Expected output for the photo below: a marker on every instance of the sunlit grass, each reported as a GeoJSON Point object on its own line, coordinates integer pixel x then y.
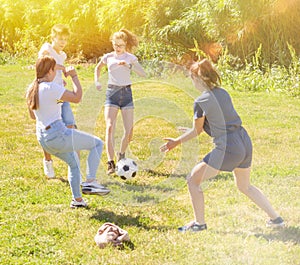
{"type": "Point", "coordinates": [38, 227]}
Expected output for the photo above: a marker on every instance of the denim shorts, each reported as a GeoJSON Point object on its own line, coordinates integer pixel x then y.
{"type": "Point", "coordinates": [119, 97]}
{"type": "Point", "coordinates": [67, 114]}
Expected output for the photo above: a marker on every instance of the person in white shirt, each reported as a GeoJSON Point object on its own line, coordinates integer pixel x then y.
{"type": "Point", "coordinates": [120, 63]}
{"type": "Point", "coordinates": [59, 35]}
{"type": "Point", "coordinates": [54, 136]}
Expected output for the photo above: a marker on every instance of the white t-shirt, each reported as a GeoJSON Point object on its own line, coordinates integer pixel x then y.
{"type": "Point", "coordinates": [118, 75]}
{"type": "Point", "coordinates": [49, 109]}
{"type": "Point", "coordinates": [59, 58]}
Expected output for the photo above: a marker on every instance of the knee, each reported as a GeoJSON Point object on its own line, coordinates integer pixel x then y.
{"type": "Point", "coordinates": [99, 144]}
{"type": "Point", "coordinates": [109, 128]}
{"type": "Point", "coordinates": [193, 182]}
{"type": "Point", "coordinates": [128, 135]}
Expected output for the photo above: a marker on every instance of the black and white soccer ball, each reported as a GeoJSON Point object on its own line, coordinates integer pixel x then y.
{"type": "Point", "coordinates": [126, 168]}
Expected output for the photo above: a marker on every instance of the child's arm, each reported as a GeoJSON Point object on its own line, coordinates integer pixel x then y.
{"type": "Point", "coordinates": [188, 135]}
{"type": "Point", "coordinates": [137, 68]}
{"type": "Point", "coordinates": [31, 114]}
{"type": "Point", "coordinates": [97, 74]}
{"type": "Point", "coordinates": [75, 95]}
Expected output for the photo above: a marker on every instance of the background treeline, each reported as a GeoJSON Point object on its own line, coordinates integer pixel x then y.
{"type": "Point", "coordinates": [171, 30]}
{"type": "Point", "coordinates": [259, 38]}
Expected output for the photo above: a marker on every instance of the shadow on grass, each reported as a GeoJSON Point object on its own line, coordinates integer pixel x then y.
{"type": "Point", "coordinates": [222, 176]}
{"type": "Point", "coordinates": [287, 235]}
{"type": "Point", "coordinates": [60, 179]}
{"type": "Point", "coordinates": [125, 220]}
{"type": "Point", "coordinates": [137, 194]}
{"type": "Point", "coordinates": [144, 187]}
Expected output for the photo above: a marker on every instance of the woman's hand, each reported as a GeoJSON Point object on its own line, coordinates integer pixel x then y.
{"type": "Point", "coordinates": [125, 64]}
{"type": "Point", "coordinates": [122, 63]}
{"type": "Point", "coordinates": [172, 143]}
{"type": "Point", "coordinates": [98, 86]}
{"type": "Point", "coordinates": [70, 71]}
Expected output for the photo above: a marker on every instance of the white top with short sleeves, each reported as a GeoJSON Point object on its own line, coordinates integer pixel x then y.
{"type": "Point", "coordinates": [59, 59]}
{"type": "Point", "coordinates": [118, 75]}
{"type": "Point", "coordinates": [49, 109]}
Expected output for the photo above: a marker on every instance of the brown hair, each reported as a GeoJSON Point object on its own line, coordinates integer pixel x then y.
{"type": "Point", "coordinates": [128, 37]}
{"type": "Point", "coordinates": [42, 67]}
{"type": "Point", "coordinates": [59, 29]}
{"type": "Point", "coordinates": [205, 70]}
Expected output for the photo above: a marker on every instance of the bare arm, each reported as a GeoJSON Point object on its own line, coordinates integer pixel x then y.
{"type": "Point", "coordinates": [135, 67]}
{"type": "Point", "coordinates": [97, 74]}
{"type": "Point", "coordinates": [75, 95]}
{"type": "Point", "coordinates": [57, 66]}
{"type": "Point", "coordinates": [188, 135]}
{"type": "Point", "coordinates": [138, 69]}
{"type": "Point", "coordinates": [31, 114]}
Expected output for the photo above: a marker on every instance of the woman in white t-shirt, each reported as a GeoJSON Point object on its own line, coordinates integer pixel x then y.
{"type": "Point", "coordinates": [120, 63]}
{"type": "Point", "coordinates": [43, 97]}
{"type": "Point", "coordinates": [59, 36]}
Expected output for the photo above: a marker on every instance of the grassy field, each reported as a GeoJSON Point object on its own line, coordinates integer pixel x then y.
{"type": "Point", "coordinates": [38, 227]}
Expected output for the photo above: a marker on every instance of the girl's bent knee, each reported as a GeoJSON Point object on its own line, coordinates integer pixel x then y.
{"type": "Point", "coordinates": [191, 182]}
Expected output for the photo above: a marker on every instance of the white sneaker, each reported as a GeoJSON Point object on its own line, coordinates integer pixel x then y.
{"type": "Point", "coordinates": [94, 188]}
{"type": "Point", "coordinates": [48, 168]}
{"type": "Point", "coordinates": [76, 204]}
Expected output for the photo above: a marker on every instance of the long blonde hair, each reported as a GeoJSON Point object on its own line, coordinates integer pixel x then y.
{"type": "Point", "coordinates": [42, 67]}
{"type": "Point", "coordinates": [128, 37]}
{"type": "Point", "coordinates": [206, 72]}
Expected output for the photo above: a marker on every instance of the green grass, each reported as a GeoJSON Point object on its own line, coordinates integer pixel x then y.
{"type": "Point", "coordinates": [38, 227]}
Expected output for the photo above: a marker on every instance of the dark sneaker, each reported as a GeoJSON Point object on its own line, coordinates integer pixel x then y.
{"type": "Point", "coordinates": [192, 227]}
{"type": "Point", "coordinates": [94, 191]}
{"type": "Point", "coordinates": [111, 167]}
{"type": "Point", "coordinates": [76, 204]}
{"type": "Point", "coordinates": [120, 156]}
{"type": "Point", "coordinates": [275, 223]}
{"type": "Point", "coordinates": [94, 188]}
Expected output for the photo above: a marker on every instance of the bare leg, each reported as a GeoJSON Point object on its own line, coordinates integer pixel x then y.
{"type": "Point", "coordinates": [242, 180]}
{"type": "Point", "coordinates": [127, 116]}
{"type": "Point", "coordinates": [200, 172]}
{"type": "Point", "coordinates": [47, 156]}
{"type": "Point", "coordinates": [110, 114]}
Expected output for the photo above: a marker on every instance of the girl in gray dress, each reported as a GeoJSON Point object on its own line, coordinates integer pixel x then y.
{"type": "Point", "coordinates": [215, 114]}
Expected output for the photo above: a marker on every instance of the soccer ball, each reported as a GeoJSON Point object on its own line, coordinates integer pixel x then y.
{"type": "Point", "coordinates": [126, 168]}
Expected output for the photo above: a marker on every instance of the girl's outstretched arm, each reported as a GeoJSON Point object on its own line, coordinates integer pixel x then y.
{"type": "Point", "coordinates": [188, 135]}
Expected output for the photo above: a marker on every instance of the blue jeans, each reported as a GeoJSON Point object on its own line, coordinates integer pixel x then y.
{"type": "Point", "coordinates": [67, 114]}
{"type": "Point", "coordinates": [63, 143]}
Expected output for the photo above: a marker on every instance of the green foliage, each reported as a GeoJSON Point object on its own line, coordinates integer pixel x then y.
{"type": "Point", "coordinates": [238, 26]}
{"type": "Point", "coordinates": [259, 76]}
